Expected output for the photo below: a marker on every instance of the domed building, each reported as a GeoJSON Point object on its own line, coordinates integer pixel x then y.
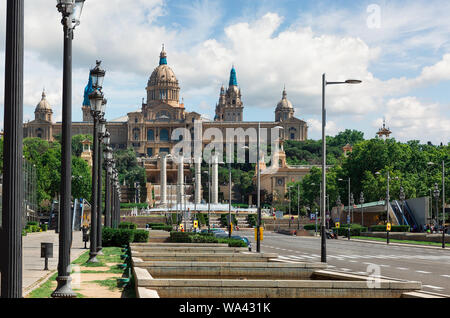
{"type": "Point", "coordinates": [148, 131]}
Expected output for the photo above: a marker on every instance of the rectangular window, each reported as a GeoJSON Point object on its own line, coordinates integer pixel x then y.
{"type": "Point", "coordinates": [150, 152]}
{"type": "Point", "coordinates": [167, 150]}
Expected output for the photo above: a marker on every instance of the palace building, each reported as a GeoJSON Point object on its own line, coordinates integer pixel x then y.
{"type": "Point", "coordinates": [149, 130]}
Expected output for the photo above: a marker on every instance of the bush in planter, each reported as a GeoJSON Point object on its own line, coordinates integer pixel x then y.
{"type": "Point", "coordinates": [180, 237]}
{"type": "Point", "coordinates": [127, 225]}
{"type": "Point", "coordinates": [117, 237]}
{"type": "Point", "coordinates": [394, 228]}
{"type": "Point", "coordinates": [151, 225]}
{"type": "Point", "coordinates": [167, 228]}
{"type": "Point", "coordinates": [311, 227]}
{"type": "Point", "coordinates": [140, 236]}
{"type": "Point", "coordinates": [44, 227]}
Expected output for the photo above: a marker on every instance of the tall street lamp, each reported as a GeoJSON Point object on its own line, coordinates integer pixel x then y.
{"type": "Point", "coordinates": [361, 201]}
{"type": "Point", "coordinates": [209, 193]}
{"type": "Point", "coordinates": [11, 220]}
{"type": "Point", "coordinates": [96, 101]}
{"type": "Point", "coordinates": [324, 162]}
{"type": "Point", "coordinates": [71, 14]}
{"type": "Point", "coordinates": [298, 206]}
{"type": "Point", "coordinates": [436, 194]}
{"type": "Point", "coordinates": [443, 204]}
{"type": "Point", "coordinates": [101, 134]}
{"type": "Point", "coordinates": [108, 165]}
{"type": "Point", "coordinates": [402, 198]}
{"type": "Point", "coordinates": [387, 202]}
{"type": "Point", "coordinates": [229, 203]}
{"type": "Point", "coordinates": [338, 205]}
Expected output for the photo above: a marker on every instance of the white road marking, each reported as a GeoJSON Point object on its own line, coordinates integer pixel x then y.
{"type": "Point", "coordinates": [402, 268]}
{"type": "Point", "coordinates": [351, 261]}
{"type": "Point", "coordinates": [384, 265]}
{"type": "Point", "coordinates": [448, 276]}
{"type": "Point", "coordinates": [423, 272]}
{"type": "Point", "coordinates": [345, 269]}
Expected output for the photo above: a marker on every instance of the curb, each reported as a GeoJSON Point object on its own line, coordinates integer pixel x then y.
{"type": "Point", "coordinates": [401, 244]}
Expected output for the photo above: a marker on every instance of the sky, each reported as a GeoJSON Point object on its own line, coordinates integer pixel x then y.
{"type": "Point", "coordinates": [399, 49]}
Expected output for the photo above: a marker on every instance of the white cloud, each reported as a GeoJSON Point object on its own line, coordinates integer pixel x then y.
{"type": "Point", "coordinates": [409, 118]}
{"type": "Point", "coordinates": [268, 53]}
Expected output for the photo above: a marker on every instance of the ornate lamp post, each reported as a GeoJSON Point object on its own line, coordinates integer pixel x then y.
{"type": "Point", "coordinates": [338, 205]}
{"type": "Point", "coordinates": [108, 165]}
{"type": "Point", "coordinates": [361, 201]}
{"type": "Point", "coordinates": [96, 100]}
{"type": "Point", "coordinates": [71, 13]}
{"type": "Point", "coordinates": [402, 197]}
{"type": "Point", "coordinates": [436, 194]}
{"type": "Point", "coordinates": [101, 134]}
{"type": "Point", "coordinates": [11, 220]}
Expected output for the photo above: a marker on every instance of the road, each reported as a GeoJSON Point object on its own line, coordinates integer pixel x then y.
{"type": "Point", "coordinates": [427, 265]}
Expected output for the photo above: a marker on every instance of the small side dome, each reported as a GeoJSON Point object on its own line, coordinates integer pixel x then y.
{"type": "Point", "coordinates": [284, 102]}
{"type": "Point", "coordinates": [43, 104]}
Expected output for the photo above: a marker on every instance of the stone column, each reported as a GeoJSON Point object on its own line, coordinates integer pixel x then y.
{"type": "Point", "coordinates": [198, 181]}
{"type": "Point", "coordinates": [163, 177]}
{"type": "Point", "coordinates": [215, 180]}
{"type": "Point", "coordinates": [180, 182]}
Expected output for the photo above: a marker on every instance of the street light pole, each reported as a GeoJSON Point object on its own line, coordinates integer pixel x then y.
{"type": "Point", "coordinates": [11, 223]}
{"type": "Point", "coordinates": [229, 203]}
{"type": "Point", "coordinates": [100, 136]}
{"type": "Point", "coordinates": [443, 204]}
{"type": "Point", "coordinates": [387, 206]}
{"type": "Point", "coordinates": [71, 13]}
{"type": "Point", "coordinates": [97, 105]}
{"type": "Point", "coordinates": [258, 169]}
{"type": "Point", "coordinates": [298, 206]}
{"type": "Point", "coordinates": [361, 201]}
{"type": "Point", "coordinates": [324, 160]}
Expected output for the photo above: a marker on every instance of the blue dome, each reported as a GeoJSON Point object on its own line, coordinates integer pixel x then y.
{"type": "Point", "coordinates": [233, 79]}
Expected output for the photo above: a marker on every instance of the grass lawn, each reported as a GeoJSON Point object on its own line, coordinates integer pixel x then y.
{"type": "Point", "coordinates": [396, 241]}
{"type": "Point", "coordinates": [111, 256]}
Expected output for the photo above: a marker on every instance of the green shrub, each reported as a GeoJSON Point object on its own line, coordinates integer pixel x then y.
{"type": "Point", "coordinates": [394, 228]}
{"type": "Point", "coordinates": [233, 242]}
{"type": "Point", "coordinates": [355, 230]}
{"type": "Point", "coordinates": [140, 236]}
{"type": "Point", "coordinates": [117, 237]}
{"type": "Point", "coordinates": [311, 227]}
{"type": "Point", "coordinates": [224, 219]}
{"type": "Point", "coordinates": [180, 237]}
{"type": "Point", "coordinates": [151, 225]}
{"type": "Point", "coordinates": [44, 227]}
{"type": "Point", "coordinates": [127, 225]}
{"type": "Point", "coordinates": [133, 205]}
{"type": "Point", "coordinates": [252, 219]}
{"type": "Point", "coordinates": [167, 228]}
{"type": "Point", "coordinates": [201, 219]}
{"type": "Point", "coordinates": [24, 232]}
{"type": "Point", "coordinates": [33, 223]}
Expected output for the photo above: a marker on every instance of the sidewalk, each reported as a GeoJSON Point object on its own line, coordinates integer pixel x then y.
{"type": "Point", "coordinates": [33, 264]}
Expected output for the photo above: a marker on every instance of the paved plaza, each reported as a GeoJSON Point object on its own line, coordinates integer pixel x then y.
{"type": "Point", "coordinates": [33, 264]}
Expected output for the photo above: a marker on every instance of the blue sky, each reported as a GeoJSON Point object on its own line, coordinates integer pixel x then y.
{"type": "Point", "coordinates": [400, 49]}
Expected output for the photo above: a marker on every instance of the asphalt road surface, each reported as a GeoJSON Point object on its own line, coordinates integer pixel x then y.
{"type": "Point", "coordinates": [427, 265]}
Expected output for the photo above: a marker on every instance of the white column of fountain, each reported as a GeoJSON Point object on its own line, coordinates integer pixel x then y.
{"type": "Point", "coordinates": [180, 182]}
{"type": "Point", "coordinates": [163, 177]}
{"type": "Point", "coordinates": [198, 180]}
{"type": "Point", "coordinates": [215, 180]}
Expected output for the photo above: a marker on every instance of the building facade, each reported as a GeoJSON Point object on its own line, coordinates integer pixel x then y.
{"type": "Point", "coordinates": [149, 130]}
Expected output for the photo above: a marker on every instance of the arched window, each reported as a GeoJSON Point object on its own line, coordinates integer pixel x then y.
{"type": "Point", "coordinates": [150, 135]}
{"type": "Point", "coordinates": [164, 135]}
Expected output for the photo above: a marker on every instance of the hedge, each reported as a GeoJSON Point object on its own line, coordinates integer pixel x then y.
{"type": "Point", "coordinates": [354, 231]}
{"type": "Point", "coordinates": [190, 237]}
{"type": "Point", "coordinates": [394, 228]}
{"type": "Point", "coordinates": [127, 225]}
{"type": "Point", "coordinates": [119, 237]}
{"type": "Point", "coordinates": [151, 225]}
{"type": "Point", "coordinates": [224, 219]}
{"type": "Point", "coordinates": [167, 228]}
{"type": "Point", "coordinates": [252, 220]}
{"type": "Point", "coordinates": [311, 227]}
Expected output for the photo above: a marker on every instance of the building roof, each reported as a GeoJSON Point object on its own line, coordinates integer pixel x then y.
{"type": "Point", "coordinates": [43, 104]}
